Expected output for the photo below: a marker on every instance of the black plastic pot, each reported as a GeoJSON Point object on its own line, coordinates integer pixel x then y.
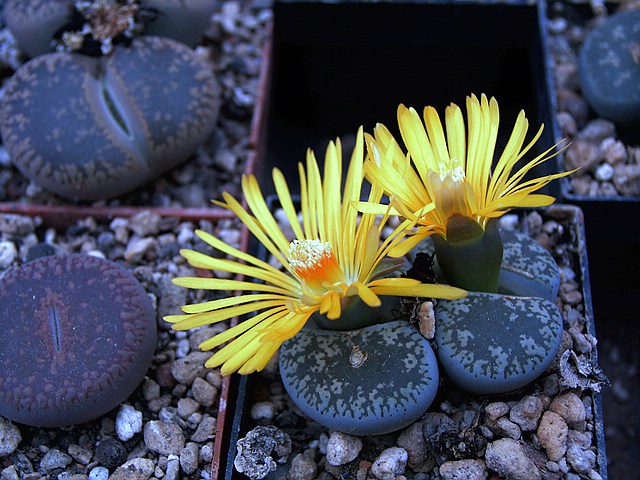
{"type": "Point", "coordinates": [335, 66]}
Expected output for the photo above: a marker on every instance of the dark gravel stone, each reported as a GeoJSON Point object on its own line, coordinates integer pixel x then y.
{"type": "Point", "coordinates": [110, 453]}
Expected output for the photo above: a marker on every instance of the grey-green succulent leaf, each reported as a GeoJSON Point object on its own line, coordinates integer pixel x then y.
{"type": "Point", "coordinates": [493, 343]}
{"type": "Point", "coordinates": [371, 381]}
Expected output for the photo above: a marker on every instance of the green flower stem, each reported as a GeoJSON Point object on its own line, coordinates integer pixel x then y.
{"type": "Point", "coordinates": [470, 257]}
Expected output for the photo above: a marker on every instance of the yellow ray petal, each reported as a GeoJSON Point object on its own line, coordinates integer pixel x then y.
{"type": "Point", "coordinates": [274, 314]}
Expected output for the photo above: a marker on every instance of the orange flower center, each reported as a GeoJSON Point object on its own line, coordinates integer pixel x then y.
{"type": "Point", "coordinates": [315, 263]}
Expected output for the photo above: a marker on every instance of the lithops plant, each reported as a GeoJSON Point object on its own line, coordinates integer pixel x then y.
{"type": "Point", "coordinates": [89, 128]}
{"type": "Point", "coordinates": [506, 332]}
{"type": "Point", "coordinates": [42, 26]}
{"type": "Point", "coordinates": [79, 333]}
{"type": "Point", "coordinates": [368, 381]}
{"type": "Point", "coordinates": [335, 275]}
{"type": "Point", "coordinates": [109, 110]}
{"type": "Point", "coordinates": [609, 67]}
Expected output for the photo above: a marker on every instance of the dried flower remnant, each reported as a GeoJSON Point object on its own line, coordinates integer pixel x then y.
{"type": "Point", "coordinates": [78, 337]}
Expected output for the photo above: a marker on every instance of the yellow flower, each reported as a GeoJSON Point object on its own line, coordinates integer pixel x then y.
{"type": "Point", "coordinates": [331, 262]}
{"type": "Point", "coordinates": [453, 172]}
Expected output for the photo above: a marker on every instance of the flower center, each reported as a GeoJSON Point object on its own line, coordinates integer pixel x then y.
{"type": "Point", "coordinates": [315, 263]}
{"type": "Point", "coordinates": [454, 170]}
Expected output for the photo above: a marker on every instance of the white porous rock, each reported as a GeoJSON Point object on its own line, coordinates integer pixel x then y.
{"type": "Point", "coordinates": [464, 470]}
{"type": "Point", "coordinates": [552, 434]}
{"type": "Point", "coordinates": [508, 458]}
{"type": "Point", "coordinates": [99, 473]}
{"type": "Point", "coordinates": [604, 172]}
{"type": "Point", "coordinates": [342, 448]}
{"type": "Point", "coordinates": [390, 463]}
{"type": "Point", "coordinates": [128, 422]}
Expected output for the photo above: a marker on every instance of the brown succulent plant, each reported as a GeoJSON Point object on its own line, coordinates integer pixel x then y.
{"type": "Point", "coordinates": [78, 336]}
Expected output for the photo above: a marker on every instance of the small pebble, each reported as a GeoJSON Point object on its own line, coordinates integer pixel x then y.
{"type": "Point", "coordinates": [110, 453]}
{"type": "Point", "coordinates": [604, 172]}
{"type": "Point", "coordinates": [128, 422]}
{"type": "Point", "coordinates": [203, 392]}
{"type": "Point", "coordinates": [263, 410]}
{"type": "Point", "coordinates": [614, 151]}
{"type": "Point", "coordinates": [506, 428]}
{"type": "Point", "coordinates": [507, 457]}
{"type": "Point", "coordinates": [189, 458]}
{"type": "Point", "coordinates": [302, 468]}
{"type": "Point", "coordinates": [172, 470]}
{"type": "Point", "coordinates": [145, 223]}
{"type": "Point", "coordinates": [134, 469]}
{"type": "Point", "coordinates": [187, 406]}
{"type": "Point", "coordinates": [464, 470]}
{"type": "Point", "coordinates": [495, 410]}
{"type": "Point", "coordinates": [570, 407]}
{"type": "Point", "coordinates": [18, 225]}
{"type": "Point", "coordinates": [79, 454]}
{"type": "Point", "coordinates": [390, 463]}
{"type": "Point", "coordinates": [342, 448]}
{"type": "Point", "coordinates": [526, 413]}
{"type": "Point", "coordinates": [413, 441]}
{"type": "Point", "coordinates": [99, 473]}
{"type": "Point", "coordinates": [164, 438]}
{"type": "Point", "coordinates": [205, 431]}
{"type": "Point", "coordinates": [186, 369]}
{"type": "Point", "coordinates": [150, 389]}
{"type": "Point", "coordinates": [54, 459]}
{"type": "Point", "coordinates": [138, 248]}
{"type": "Point", "coordinates": [552, 434]}
{"type": "Point", "coordinates": [8, 254]}
{"type": "Point", "coordinates": [10, 437]}
{"type": "Point", "coordinates": [579, 455]}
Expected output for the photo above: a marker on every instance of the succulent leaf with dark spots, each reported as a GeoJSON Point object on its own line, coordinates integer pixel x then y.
{"type": "Point", "coordinates": [78, 336]}
{"type": "Point", "coordinates": [90, 128]}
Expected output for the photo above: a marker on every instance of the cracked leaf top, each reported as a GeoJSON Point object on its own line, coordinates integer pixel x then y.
{"type": "Point", "coordinates": [334, 259]}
